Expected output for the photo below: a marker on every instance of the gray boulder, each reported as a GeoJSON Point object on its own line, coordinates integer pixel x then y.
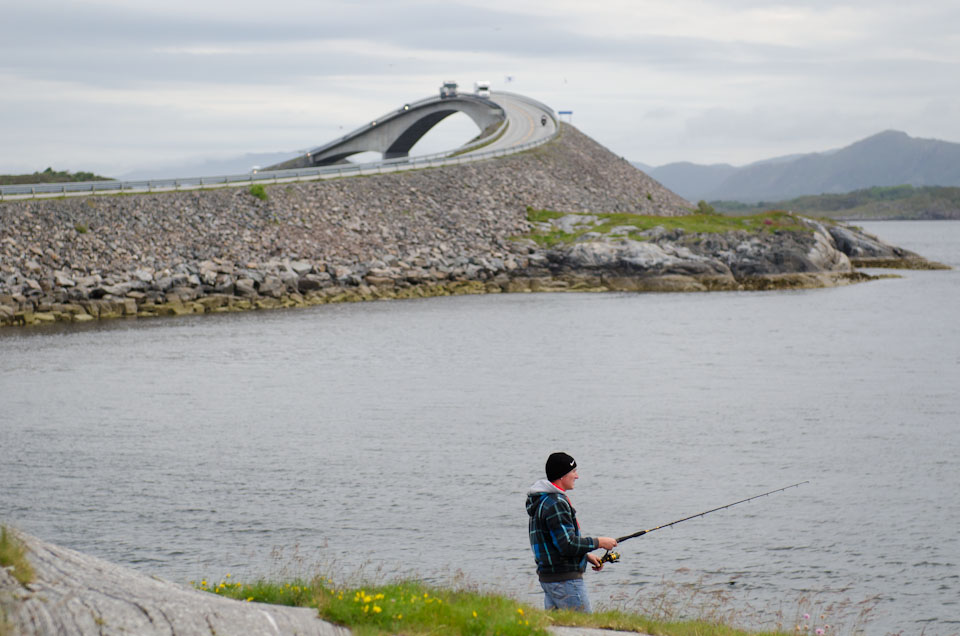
{"type": "Point", "coordinates": [73, 593]}
{"type": "Point", "coordinates": [245, 287]}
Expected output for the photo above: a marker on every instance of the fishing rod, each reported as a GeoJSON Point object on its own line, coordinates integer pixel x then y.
{"type": "Point", "coordinates": [613, 557]}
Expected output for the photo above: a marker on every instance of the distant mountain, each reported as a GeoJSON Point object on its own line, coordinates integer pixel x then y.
{"type": "Point", "coordinates": [693, 181]}
{"type": "Point", "coordinates": [886, 159]}
{"type": "Point", "coordinates": [877, 202]}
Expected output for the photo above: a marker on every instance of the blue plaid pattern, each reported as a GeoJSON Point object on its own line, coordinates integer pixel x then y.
{"type": "Point", "coordinates": [555, 537]}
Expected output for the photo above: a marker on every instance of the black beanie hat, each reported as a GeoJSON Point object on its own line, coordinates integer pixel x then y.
{"type": "Point", "coordinates": [558, 465]}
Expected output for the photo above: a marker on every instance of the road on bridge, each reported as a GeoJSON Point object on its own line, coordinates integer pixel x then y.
{"type": "Point", "coordinates": [523, 121]}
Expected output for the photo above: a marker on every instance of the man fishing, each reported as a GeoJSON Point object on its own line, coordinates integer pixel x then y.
{"type": "Point", "coordinates": [559, 550]}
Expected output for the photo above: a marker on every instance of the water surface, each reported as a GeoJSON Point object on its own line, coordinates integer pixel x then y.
{"type": "Point", "coordinates": [404, 434]}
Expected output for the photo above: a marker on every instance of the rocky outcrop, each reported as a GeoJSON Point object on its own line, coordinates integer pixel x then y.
{"type": "Point", "coordinates": [423, 233]}
{"type": "Point", "coordinates": [866, 250]}
{"type": "Point", "coordinates": [73, 593]}
{"type": "Point", "coordinates": [76, 594]}
{"type": "Point", "coordinates": [675, 260]}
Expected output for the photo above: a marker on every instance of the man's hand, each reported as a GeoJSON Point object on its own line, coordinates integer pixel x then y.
{"type": "Point", "coordinates": [595, 561]}
{"type": "Point", "coordinates": [607, 543]}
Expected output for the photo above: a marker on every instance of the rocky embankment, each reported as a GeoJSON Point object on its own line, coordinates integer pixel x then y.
{"type": "Point", "coordinates": [432, 232]}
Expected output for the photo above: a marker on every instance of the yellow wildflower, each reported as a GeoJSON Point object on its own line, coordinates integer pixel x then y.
{"type": "Point", "coordinates": [474, 613]}
{"type": "Point", "coordinates": [376, 609]}
{"type": "Point", "coordinates": [520, 611]}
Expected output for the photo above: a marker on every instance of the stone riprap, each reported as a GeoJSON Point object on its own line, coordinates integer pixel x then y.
{"type": "Point", "coordinates": [431, 232]}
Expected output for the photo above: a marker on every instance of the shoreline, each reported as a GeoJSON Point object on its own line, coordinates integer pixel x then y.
{"type": "Point", "coordinates": [217, 303]}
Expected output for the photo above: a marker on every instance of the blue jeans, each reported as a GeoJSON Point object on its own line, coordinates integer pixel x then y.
{"type": "Point", "coordinates": [570, 594]}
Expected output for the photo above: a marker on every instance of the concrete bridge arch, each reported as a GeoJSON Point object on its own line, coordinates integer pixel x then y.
{"type": "Point", "coordinates": [397, 132]}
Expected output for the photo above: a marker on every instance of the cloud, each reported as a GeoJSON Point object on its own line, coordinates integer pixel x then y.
{"type": "Point", "coordinates": [654, 81]}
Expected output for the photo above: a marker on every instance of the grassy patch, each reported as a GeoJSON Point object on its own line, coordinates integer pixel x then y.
{"type": "Point", "coordinates": [414, 608]}
{"type": "Point", "coordinates": [13, 556]}
{"type": "Point", "coordinates": [542, 216]}
{"type": "Point", "coordinates": [408, 607]}
{"type": "Point", "coordinates": [259, 191]}
{"type": "Point", "coordinates": [632, 225]}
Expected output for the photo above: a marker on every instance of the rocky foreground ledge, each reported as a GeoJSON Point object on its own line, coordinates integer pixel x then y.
{"type": "Point", "coordinates": [76, 594]}
{"type": "Point", "coordinates": [73, 593]}
{"type": "Point", "coordinates": [452, 230]}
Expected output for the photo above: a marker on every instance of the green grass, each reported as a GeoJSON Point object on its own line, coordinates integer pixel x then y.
{"type": "Point", "coordinates": [542, 216]}
{"type": "Point", "coordinates": [703, 223]}
{"type": "Point", "coordinates": [13, 555]}
{"type": "Point", "coordinates": [415, 608]}
{"type": "Point", "coordinates": [259, 191]}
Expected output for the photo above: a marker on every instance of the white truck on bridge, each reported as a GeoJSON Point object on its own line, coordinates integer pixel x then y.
{"type": "Point", "coordinates": [482, 88]}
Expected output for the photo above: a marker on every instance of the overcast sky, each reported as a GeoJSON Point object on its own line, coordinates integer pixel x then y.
{"type": "Point", "coordinates": [116, 85]}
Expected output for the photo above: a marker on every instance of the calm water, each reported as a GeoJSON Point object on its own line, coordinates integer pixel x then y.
{"type": "Point", "coordinates": [403, 436]}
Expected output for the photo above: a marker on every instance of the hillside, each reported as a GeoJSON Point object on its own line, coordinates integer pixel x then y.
{"type": "Point", "coordinates": [50, 176]}
{"type": "Point", "coordinates": [890, 158]}
{"type": "Point", "coordinates": [896, 202]}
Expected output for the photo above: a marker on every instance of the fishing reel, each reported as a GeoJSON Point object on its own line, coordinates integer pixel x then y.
{"type": "Point", "coordinates": [610, 557]}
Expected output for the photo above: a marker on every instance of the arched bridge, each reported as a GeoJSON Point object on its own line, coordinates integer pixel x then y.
{"type": "Point", "coordinates": [509, 123]}
{"type": "Point", "coordinates": [395, 133]}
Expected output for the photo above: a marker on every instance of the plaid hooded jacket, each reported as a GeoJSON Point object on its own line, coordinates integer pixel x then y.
{"type": "Point", "coordinates": [558, 548]}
